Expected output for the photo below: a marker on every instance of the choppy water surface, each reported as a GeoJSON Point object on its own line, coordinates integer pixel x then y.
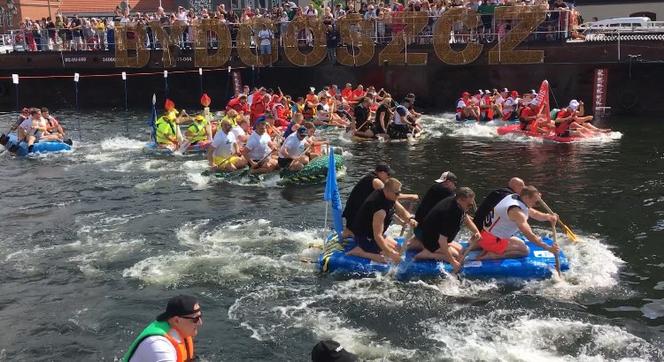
{"type": "Point", "coordinates": [94, 243]}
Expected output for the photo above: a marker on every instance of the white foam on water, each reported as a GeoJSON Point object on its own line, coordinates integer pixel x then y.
{"type": "Point", "coordinates": [500, 335]}
{"type": "Point", "coordinates": [121, 143]}
{"type": "Point", "coordinates": [593, 268]}
{"type": "Point", "coordinates": [230, 251]}
{"type": "Point", "coordinates": [147, 185]}
{"type": "Point", "coordinates": [197, 181]}
{"type": "Point", "coordinates": [157, 165]}
{"type": "Point", "coordinates": [305, 310]}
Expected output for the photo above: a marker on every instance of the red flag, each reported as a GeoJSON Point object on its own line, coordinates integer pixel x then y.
{"type": "Point", "coordinates": [169, 105]}
{"type": "Point", "coordinates": [205, 100]}
{"type": "Point", "coordinates": [543, 108]}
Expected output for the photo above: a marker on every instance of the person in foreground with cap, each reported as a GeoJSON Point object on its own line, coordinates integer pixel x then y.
{"type": "Point", "coordinates": [374, 180]}
{"type": "Point", "coordinates": [372, 220]}
{"type": "Point", "coordinates": [170, 337]}
{"type": "Point", "coordinates": [440, 227]}
{"type": "Point", "coordinates": [293, 153]}
{"type": "Point", "coordinates": [331, 351]}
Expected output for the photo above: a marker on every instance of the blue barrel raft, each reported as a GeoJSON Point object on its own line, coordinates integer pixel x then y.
{"type": "Point", "coordinates": [539, 264]}
{"type": "Point", "coordinates": [37, 148]}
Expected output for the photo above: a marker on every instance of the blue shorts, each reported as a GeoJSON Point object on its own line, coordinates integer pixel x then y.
{"type": "Point", "coordinates": [367, 244]}
{"type": "Point", "coordinates": [266, 49]}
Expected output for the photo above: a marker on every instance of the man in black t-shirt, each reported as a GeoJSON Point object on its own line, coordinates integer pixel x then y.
{"type": "Point", "coordinates": [372, 220]}
{"type": "Point", "coordinates": [361, 113]}
{"type": "Point", "coordinates": [441, 226]}
{"type": "Point", "coordinates": [443, 188]}
{"type": "Point", "coordinates": [374, 180]}
{"type": "Point", "coordinates": [383, 117]}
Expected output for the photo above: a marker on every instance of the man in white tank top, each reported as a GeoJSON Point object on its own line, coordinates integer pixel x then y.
{"type": "Point", "coordinates": [507, 218]}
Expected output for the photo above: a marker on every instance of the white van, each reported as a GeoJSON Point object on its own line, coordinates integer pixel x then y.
{"type": "Point", "coordinates": [623, 25]}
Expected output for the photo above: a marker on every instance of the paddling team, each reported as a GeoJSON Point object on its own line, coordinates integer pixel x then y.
{"type": "Point", "coordinates": [34, 125]}
{"type": "Point", "coordinates": [266, 129]}
{"type": "Point", "coordinates": [529, 110]}
{"type": "Point", "coordinates": [376, 200]}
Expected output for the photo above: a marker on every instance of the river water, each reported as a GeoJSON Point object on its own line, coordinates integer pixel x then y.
{"type": "Point", "coordinates": [94, 243]}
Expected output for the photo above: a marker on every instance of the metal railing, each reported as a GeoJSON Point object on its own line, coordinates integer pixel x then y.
{"type": "Point", "coordinates": [556, 27]}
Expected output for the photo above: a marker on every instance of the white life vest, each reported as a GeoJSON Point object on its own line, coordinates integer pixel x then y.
{"type": "Point", "coordinates": [499, 223]}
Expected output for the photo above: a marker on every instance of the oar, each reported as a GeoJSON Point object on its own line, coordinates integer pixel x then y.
{"type": "Point", "coordinates": [570, 234]}
{"type": "Point", "coordinates": [556, 255]}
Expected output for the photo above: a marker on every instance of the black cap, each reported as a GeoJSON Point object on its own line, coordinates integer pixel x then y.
{"type": "Point", "coordinates": [331, 351]}
{"type": "Point", "coordinates": [180, 305]}
{"type": "Point", "coordinates": [384, 167]}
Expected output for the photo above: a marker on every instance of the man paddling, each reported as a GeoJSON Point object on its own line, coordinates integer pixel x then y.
{"type": "Point", "coordinates": [514, 186]}
{"type": "Point", "coordinates": [507, 218]}
{"type": "Point", "coordinates": [374, 180]}
{"type": "Point", "coordinates": [224, 151]}
{"type": "Point", "coordinates": [258, 150]}
{"type": "Point", "coordinates": [442, 188]}
{"type": "Point", "coordinates": [440, 227]}
{"type": "Point", "coordinates": [292, 154]}
{"type": "Point", "coordinates": [170, 337]}
{"type": "Point", "coordinates": [372, 220]}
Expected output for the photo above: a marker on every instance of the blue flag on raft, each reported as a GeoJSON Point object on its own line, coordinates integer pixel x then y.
{"type": "Point", "coordinates": [332, 194]}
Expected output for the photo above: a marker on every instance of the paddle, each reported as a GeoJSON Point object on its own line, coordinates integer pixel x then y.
{"type": "Point", "coordinates": [555, 242]}
{"type": "Point", "coordinates": [570, 234]}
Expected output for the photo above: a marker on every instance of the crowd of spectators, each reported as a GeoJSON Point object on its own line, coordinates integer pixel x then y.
{"type": "Point", "coordinates": [83, 33]}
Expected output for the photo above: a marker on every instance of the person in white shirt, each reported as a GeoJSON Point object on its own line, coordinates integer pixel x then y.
{"type": "Point", "coordinates": [259, 149]}
{"type": "Point", "coordinates": [241, 131]}
{"type": "Point", "coordinates": [293, 153]}
{"type": "Point", "coordinates": [223, 152]}
{"type": "Point", "coordinates": [265, 37]}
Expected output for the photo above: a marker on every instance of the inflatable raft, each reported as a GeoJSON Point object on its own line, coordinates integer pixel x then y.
{"type": "Point", "coordinates": [38, 148]}
{"type": "Point", "coordinates": [539, 264]}
{"type": "Point", "coordinates": [198, 148]}
{"type": "Point", "coordinates": [516, 129]}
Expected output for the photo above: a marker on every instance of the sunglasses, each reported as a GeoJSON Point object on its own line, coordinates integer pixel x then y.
{"type": "Point", "coordinates": [195, 319]}
{"type": "Point", "coordinates": [397, 192]}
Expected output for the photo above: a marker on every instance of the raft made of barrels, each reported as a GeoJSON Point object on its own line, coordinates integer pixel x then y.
{"type": "Point", "coordinates": [539, 264]}
{"type": "Point", "coordinates": [198, 148]}
{"type": "Point", "coordinates": [314, 172]}
{"type": "Point", "coordinates": [37, 148]}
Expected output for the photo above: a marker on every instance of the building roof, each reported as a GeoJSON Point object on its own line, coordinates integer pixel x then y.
{"type": "Point", "coordinates": [107, 7]}
{"type": "Point", "coordinates": [84, 7]}
{"type": "Point", "coordinates": [151, 6]}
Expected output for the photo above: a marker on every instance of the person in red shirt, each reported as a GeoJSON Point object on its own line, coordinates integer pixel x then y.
{"type": "Point", "coordinates": [259, 106]}
{"type": "Point", "coordinates": [358, 93]}
{"type": "Point", "coordinates": [347, 92]}
{"type": "Point", "coordinates": [239, 104]}
{"type": "Point", "coordinates": [532, 113]}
